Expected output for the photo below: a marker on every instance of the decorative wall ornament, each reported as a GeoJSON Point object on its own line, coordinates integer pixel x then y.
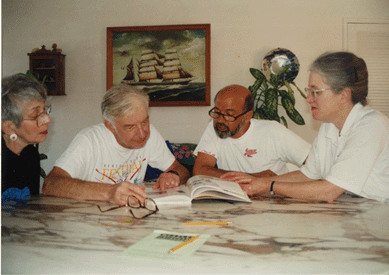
{"type": "Point", "coordinates": [273, 87]}
{"type": "Point", "coordinates": [170, 63]}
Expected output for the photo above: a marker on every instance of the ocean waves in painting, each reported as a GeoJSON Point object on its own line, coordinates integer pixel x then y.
{"type": "Point", "coordinates": [191, 92]}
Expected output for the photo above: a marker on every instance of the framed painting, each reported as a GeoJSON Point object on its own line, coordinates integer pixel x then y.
{"type": "Point", "coordinates": [170, 63]}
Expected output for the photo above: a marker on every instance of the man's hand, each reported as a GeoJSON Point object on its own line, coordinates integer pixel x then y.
{"type": "Point", "coordinates": [167, 180]}
{"type": "Point", "coordinates": [120, 192]}
{"type": "Point", "coordinates": [250, 184]}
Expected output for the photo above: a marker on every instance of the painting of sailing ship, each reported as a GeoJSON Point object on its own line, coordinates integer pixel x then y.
{"type": "Point", "coordinates": [156, 69]}
{"type": "Point", "coordinates": [169, 63]}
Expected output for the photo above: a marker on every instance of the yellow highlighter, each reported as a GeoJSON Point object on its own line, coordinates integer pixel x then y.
{"type": "Point", "coordinates": [184, 243]}
{"type": "Point", "coordinates": [209, 223]}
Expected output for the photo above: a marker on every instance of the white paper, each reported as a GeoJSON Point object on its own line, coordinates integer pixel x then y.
{"type": "Point", "coordinates": [157, 245]}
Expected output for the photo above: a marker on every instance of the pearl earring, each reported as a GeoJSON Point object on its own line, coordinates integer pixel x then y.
{"type": "Point", "coordinates": [13, 137]}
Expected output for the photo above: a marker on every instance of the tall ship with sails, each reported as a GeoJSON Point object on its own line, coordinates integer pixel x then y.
{"type": "Point", "coordinates": [156, 69]}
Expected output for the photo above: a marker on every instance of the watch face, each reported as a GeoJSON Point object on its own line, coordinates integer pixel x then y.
{"type": "Point", "coordinates": [276, 60]}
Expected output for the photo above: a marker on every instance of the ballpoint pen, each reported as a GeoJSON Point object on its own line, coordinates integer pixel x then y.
{"type": "Point", "coordinates": [184, 243]}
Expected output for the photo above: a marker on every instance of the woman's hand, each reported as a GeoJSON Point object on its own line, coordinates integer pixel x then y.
{"type": "Point", "coordinates": [250, 184]}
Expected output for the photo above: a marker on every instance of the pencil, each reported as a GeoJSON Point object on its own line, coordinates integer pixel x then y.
{"type": "Point", "coordinates": [184, 243]}
{"type": "Point", "coordinates": [223, 223]}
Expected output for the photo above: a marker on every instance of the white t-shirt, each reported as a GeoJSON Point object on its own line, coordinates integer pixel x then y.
{"type": "Point", "coordinates": [357, 159]}
{"type": "Point", "coordinates": [265, 145]}
{"type": "Point", "coordinates": [94, 155]}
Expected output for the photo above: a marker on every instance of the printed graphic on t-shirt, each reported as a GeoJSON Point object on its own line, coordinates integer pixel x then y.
{"type": "Point", "coordinates": [250, 152]}
{"type": "Point", "coordinates": [116, 173]}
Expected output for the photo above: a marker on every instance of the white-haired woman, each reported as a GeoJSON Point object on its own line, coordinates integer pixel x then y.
{"type": "Point", "coordinates": [351, 151]}
{"type": "Point", "coordinates": [24, 123]}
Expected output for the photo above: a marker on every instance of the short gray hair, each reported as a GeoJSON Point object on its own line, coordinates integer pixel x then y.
{"type": "Point", "coordinates": [16, 91]}
{"type": "Point", "coordinates": [120, 99]}
{"type": "Point", "coordinates": [341, 70]}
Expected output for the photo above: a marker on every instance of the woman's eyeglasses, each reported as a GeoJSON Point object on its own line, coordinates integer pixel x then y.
{"type": "Point", "coordinates": [314, 93]}
{"type": "Point", "coordinates": [40, 119]}
{"type": "Point", "coordinates": [133, 202]}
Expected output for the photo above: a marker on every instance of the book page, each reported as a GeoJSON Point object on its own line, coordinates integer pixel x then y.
{"type": "Point", "coordinates": [205, 186]}
{"type": "Point", "coordinates": [178, 195]}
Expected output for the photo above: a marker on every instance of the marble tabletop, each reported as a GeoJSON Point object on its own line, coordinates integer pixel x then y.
{"type": "Point", "coordinates": [272, 235]}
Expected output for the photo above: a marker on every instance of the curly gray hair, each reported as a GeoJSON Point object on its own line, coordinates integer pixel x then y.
{"type": "Point", "coordinates": [16, 91]}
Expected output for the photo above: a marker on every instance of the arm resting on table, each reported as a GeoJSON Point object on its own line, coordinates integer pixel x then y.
{"type": "Point", "coordinates": [317, 190]}
{"type": "Point", "coordinates": [60, 184]}
{"type": "Point", "coordinates": [296, 185]}
{"type": "Point", "coordinates": [205, 165]}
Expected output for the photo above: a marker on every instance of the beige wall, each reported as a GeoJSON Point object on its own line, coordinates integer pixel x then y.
{"type": "Point", "coordinates": [242, 32]}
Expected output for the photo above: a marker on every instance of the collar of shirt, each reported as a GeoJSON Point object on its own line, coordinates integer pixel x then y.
{"type": "Point", "coordinates": [333, 132]}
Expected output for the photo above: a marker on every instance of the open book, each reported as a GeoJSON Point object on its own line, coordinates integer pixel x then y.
{"type": "Point", "coordinates": [200, 187]}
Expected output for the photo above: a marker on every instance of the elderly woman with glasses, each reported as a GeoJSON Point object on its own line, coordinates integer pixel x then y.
{"type": "Point", "coordinates": [24, 123]}
{"type": "Point", "coordinates": [351, 151]}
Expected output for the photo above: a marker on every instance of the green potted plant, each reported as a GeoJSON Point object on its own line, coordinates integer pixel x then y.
{"type": "Point", "coordinates": [269, 93]}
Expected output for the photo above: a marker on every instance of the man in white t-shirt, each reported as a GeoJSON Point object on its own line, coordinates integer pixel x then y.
{"type": "Point", "coordinates": [108, 162]}
{"type": "Point", "coordinates": [235, 142]}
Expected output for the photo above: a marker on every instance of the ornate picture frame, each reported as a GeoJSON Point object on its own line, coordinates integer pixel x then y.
{"type": "Point", "coordinates": [170, 63]}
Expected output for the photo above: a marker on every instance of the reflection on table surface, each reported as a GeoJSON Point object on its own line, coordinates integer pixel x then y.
{"type": "Point", "coordinates": [271, 235]}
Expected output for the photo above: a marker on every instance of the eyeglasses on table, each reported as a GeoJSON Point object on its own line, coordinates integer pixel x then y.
{"type": "Point", "coordinates": [135, 203]}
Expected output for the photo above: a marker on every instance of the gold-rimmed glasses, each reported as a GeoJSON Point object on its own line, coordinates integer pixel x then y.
{"type": "Point", "coordinates": [135, 203]}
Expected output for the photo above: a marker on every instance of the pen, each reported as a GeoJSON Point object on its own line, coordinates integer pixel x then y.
{"type": "Point", "coordinates": [184, 243]}
{"type": "Point", "coordinates": [223, 223]}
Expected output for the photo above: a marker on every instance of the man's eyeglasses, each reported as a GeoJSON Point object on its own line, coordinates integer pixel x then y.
{"type": "Point", "coordinates": [314, 93]}
{"type": "Point", "coordinates": [133, 202]}
{"type": "Point", "coordinates": [40, 119]}
{"type": "Point", "coordinates": [214, 113]}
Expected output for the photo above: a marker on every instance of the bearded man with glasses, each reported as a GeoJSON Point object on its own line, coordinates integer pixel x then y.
{"type": "Point", "coordinates": [234, 141]}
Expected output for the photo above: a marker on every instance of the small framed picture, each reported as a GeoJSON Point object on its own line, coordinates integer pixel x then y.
{"type": "Point", "coordinates": [170, 63]}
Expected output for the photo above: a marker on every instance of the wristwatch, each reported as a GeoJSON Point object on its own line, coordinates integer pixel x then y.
{"type": "Point", "coordinates": [173, 172]}
{"type": "Point", "coordinates": [271, 188]}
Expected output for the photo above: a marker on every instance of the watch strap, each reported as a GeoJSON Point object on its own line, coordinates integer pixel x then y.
{"type": "Point", "coordinates": [271, 187]}
{"type": "Point", "coordinates": [173, 172]}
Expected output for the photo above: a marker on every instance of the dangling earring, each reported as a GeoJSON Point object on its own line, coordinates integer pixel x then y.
{"type": "Point", "coordinates": [13, 137]}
